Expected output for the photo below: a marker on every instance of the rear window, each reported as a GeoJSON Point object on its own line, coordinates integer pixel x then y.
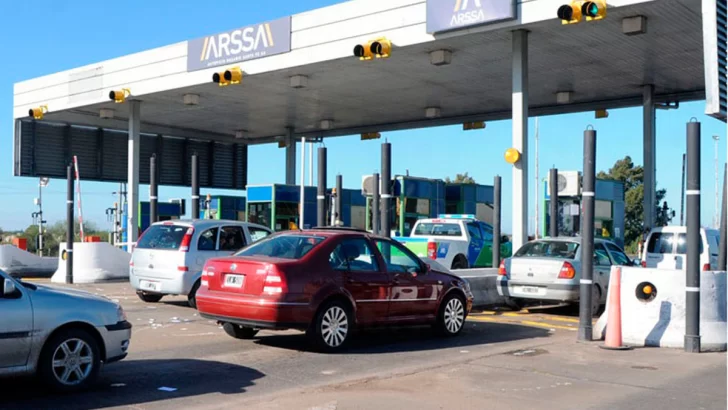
{"type": "Point", "coordinates": [437, 229]}
{"type": "Point", "coordinates": [660, 243]}
{"type": "Point", "coordinates": [682, 244]}
{"type": "Point", "coordinates": [283, 246]}
{"type": "Point", "coordinates": [162, 237]}
{"type": "Point", "coordinates": [549, 249]}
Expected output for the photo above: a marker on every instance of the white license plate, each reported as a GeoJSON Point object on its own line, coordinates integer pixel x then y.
{"type": "Point", "coordinates": [234, 281]}
{"type": "Point", "coordinates": [151, 286]}
{"type": "Point", "coordinates": [530, 289]}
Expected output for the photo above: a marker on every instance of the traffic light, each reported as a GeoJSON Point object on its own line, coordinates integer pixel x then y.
{"type": "Point", "coordinates": [379, 48]}
{"type": "Point", "coordinates": [512, 155]}
{"type": "Point", "coordinates": [120, 95]}
{"type": "Point", "coordinates": [570, 13]}
{"type": "Point", "coordinates": [233, 75]}
{"type": "Point", "coordinates": [37, 113]}
{"type": "Point", "coordinates": [479, 125]}
{"type": "Point", "coordinates": [370, 136]}
{"type": "Point", "coordinates": [594, 10]}
{"type": "Point", "coordinates": [573, 12]}
{"type": "Point", "coordinates": [364, 51]}
{"type": "Point", "coordinates": [219, 79]}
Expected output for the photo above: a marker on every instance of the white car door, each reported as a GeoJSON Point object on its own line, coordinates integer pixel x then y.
{"type": "Point", "coordinates": [16, 325]}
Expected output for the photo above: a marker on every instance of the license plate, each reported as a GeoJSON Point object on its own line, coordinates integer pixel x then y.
{"type": "Point", "coordinates": [152, 286]}
{"type": "Point", "coordinates": [530, 289]}
{"type": "Point", "coordinates": [234, 281]}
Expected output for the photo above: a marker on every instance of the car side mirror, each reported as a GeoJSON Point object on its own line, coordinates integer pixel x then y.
{"type": "Point", "coordinates": [9, 288]}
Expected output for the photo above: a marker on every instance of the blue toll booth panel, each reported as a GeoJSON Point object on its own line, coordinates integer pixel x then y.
{"type": "Point", "coordinates": [166, 211]}
{"type": "Point", "coordinates": [230, 208]}
{"type": "Point", "coordinates": [277, 206]}
{"type": "Point", "coordinates": [353, 208]}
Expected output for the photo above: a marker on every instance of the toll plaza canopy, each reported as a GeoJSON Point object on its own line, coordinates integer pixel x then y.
{"type": "Point", "coordinates": [452, 61]}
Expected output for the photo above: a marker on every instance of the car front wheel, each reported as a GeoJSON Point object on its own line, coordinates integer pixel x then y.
{"type": "Point", "coordinates": [332, 327]}
{"type": "Point", "coordinates": [451, 319]}
{"type": "Point", "coordinates": [70, 361]}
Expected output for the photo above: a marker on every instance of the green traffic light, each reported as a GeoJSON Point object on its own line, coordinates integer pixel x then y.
{"type": "Point", "coordinates": [590, 9]}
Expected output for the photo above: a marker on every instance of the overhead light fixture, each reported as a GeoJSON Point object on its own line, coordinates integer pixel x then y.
{"type": "Point", "coordinates": [563, 97]}
{"type": "Point", "coordinates": [634, 25]}
{"type": "Point", "coordinates": [38, 112]}
{"type": "Point", "coordinates": [440, 57]}
{"type": "Point", "coordinates": [191, 99]}
{"type": "Point", "coordinates": [601, 114]}
{"type": "Point", "coordinates": [119, 96]}
{"type": "Point", "coordinates": [106, 113]}
{"type": "Point", "coordinates": [299, 81]}
{"type": "Point", "coordinates": [240, 134]}
{"type": "Point", "coordinates": [326, 124]}
{"type": "Point", "coordinates": [432, 112]}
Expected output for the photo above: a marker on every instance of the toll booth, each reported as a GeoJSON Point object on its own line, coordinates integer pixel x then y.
{"type": "Point", "coordinates": [470, 199]}
{"type": "Point", "coordinates": [276, 206]}
{"type": "Point", "coordinates": [353, 208]}
{"type": "Point", "coordinates": [166, 211]}
{"type": "Point", "coordinates": [231, 208]}
{"type": "Point", "coordinates": [609, 209]}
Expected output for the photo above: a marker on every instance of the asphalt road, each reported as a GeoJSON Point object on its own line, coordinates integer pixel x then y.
{"type": "Point", "coordinates": [179, 360]}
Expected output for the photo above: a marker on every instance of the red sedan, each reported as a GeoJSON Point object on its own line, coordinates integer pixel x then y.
{"type": "Point", "coordinates": [326, 282]}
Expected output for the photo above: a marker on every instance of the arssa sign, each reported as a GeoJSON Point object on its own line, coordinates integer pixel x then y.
{"type": "Point", "coordinates": [242, 44]}
{"type": "Point", "coordinates": [444, 15]}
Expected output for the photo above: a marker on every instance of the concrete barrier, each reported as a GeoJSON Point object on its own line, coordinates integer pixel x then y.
{"type": "Point", "coordinates": [18, 262]}
{"type": "Point", "coordinates": [93, 262]}
{"type": "Point", "coordinates": [659, 320]}
{"type": "Point", "coordinates": [483, 285]}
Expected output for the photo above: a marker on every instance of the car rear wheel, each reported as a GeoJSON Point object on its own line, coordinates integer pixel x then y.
{"type": "Point", "coordinates": [239, 332]}
{"type": "Point", "coordinates": [332, 326]}
{"type": "Point", "coordinates": [192, 297]}
{"type": "Point", "coordinates": [150, 297]}
{"type": "Point", "coordinates": [451, 319]}
{"type": "Point", "coordinates": [70, 361]}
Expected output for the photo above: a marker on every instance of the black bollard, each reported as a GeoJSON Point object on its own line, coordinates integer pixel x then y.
{"type": "Point", "coordinates": [587, 240]}
{"type": "Point", "coordinates": [376, 230]}
{"type": "Point", "coordinates": [386, 219]}
{"type": "Point", "coordinates": [496, 220]}
{"type": "Point", "coordinates": [321, 194]}
{"type": "Point", "coordinates": [69, 226]}
{"type": "Point", "coordinates": [153, 208]}
{"type": "Point", "coordinates": [195, 187]}
{"type": "Point", "coordinates": [339, 217]}
{"type": "Point", "coordinates": [554, 202]}
{"type": "Point", "coordinates": [692, 283]}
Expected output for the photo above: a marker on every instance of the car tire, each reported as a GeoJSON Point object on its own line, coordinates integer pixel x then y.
{"type": "Point", "coordinates": [77, 356]}
{"type": "Point", "coordinates": [459, 263]}
{"type": "Point", "coordinates": [239, 332]}
{"type": "Point", "coordinates": [514, 304]}
{"type": "Point", "coordinates": [332, 327]}
{"type": "Point", "coordinates": [596, 305]}
{"type": "Point", "coordinates": [192, 297]}
{"type": "Point", "coordinates": [451, 317]}
{"type": "Point", "coordinates": [150, 297]}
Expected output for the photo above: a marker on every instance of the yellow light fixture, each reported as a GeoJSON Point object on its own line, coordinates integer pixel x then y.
{"type": "Point", "coordinates": [512, 155]}
{"type": "Point", "coordinates": [119, 96]}
{"type": "Point", "coordinates": [37, 113]}
{"type": "Point", "coordinates": [647, 289]}
{"type": "Point", "coordinates": [233, 75]}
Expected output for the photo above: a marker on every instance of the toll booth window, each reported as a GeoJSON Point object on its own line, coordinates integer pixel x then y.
{"type": "Point", "coordinates": [660, 243]}
{"type": "Point", "coordinates": [207, 240]}
{"type": "Point", "coordinates": [682, 244]}
{"type": "Point", "coordinates": [260, 214]}
{"type": "Point", "coordinates": [286, 209]}
{"type": "Point", "coordinates": [231, 238]}
{"type": "Point", "coordinates": [437, 229]}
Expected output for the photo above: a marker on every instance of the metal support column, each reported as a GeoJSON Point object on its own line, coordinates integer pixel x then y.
{"type": "Point", "coordinates": [195, 182]}
{"type": "Point", "coordinates": [321, 193]}
{"type": "Point", "coordinates": [153, 208]}
{"type": "Point", "coordinates": [134, 148]}
{"type": "Point", "coordinates": [338, 217]}
{"type": "Point", "coordinates": [376, 228]}
{"type": "Point", "coordinates": [520, 137]}
{"type": "Point", "coordinates": [649, 155]}
{"type": "Point", "coordinates": [496, 220]}
{"type": "Point", "coordinates": [69, 226]}
{"type": "Point", "coordinates": [290, 157]}
{"type": "Point", "coordinates": [302, 188]}
{"type": "Point", "coordinates": [554, 202]}
{"type": "Point", "coordinates": [692, 283]}
{"type": "Point", "coordinates": [723, 225]}
{"type": "Point", "coordinates": [586, 284]}
{"type": "Point", "coordinates": [386, 219]}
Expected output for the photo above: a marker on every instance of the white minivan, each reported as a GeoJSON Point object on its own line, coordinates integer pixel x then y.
{"type": "Point", "coordinates": [667, 248]}
{"type": "Point", "coordinates": [169, 256]}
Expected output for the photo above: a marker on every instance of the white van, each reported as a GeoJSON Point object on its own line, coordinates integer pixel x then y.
{"type": "Point", "coordinates": [169, 256]}
{"type": "Point", "coordinates": [667, 248]}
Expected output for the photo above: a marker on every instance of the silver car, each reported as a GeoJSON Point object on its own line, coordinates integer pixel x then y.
{"type": "Point", "coordinates": [548, 271]}
{"type": "Point", "coordinates": [63, 335]}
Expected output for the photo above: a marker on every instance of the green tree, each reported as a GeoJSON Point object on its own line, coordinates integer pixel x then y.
{"type": "Point", "coordinates": [632, 176]}
{"type": "Point", "coordinates": [461, 179]}
{"type": "Point", "coordinates": [56, 233]}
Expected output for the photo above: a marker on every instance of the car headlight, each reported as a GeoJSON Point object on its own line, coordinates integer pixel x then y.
{"type": "Point", "coordinates": [466, 285]}
{"type": "Point", "coordinates": [120, 314]}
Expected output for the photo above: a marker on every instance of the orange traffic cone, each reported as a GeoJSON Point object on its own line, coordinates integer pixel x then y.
{"type": "Point", "coordinates": [613, 339]}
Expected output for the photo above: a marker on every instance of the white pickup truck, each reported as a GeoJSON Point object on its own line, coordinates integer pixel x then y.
{"type": "Point", "coordinates": [455, 241]}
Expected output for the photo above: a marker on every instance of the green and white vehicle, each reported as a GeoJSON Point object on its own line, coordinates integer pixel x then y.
{"type": "Point", "coordinates": [455, 241]}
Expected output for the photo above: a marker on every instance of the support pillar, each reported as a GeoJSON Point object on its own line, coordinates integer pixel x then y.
{"type": "Point", "coordinates": [496, 221]}
{"type": "Point", "coordinates": [554, 203]}
{"type": "Point", "coordinates": [386, 219]}
{"type": "Point", "coordinates": [290, 157]}
{"type": "Point", "coordinates": [586, 283]}
{"type": "Point", "coordinates": [134, 145]}
{"type": "Point", "coordinates": [376, 229]}
{"type": "Point", "coordinates": [321, 192]}
{"type": "Point", "coordinates": [520, 137]}
{"type": "Point", "coordinates": [692, 283]}
{"type": "Point", "coordinates": [70, 237]}
{"type": "Point", "coordinates": [339, 218]}
{"type": "Point", "coordinates": [195, 182]}
{"type": "Point", "coordinates": [649, 116]}
{"type": "Point", "coordinates": [723, 251]}
{"type": "Point", "coordinates": [153, 208]}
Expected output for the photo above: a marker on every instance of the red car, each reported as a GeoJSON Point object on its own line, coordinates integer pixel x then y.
{"type": "Point", "coordinates": [327, 281]}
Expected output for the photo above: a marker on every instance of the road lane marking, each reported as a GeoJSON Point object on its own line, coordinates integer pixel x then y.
{"type": "Point", "coordinates": [524, 322]}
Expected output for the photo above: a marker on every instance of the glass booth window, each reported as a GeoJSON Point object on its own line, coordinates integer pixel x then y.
{"type": "Point", "coordinates": [260, 214]}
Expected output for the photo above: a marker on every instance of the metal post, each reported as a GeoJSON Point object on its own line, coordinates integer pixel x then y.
{"type": "Point", "coordinates": [195, 187]}
{"type": "Point", "coordinates": [716, 218]}
{"type": "Point", "coordinates": [339, 218]}
{"type": "Point", "coordinates": [302, 199]}
{"type": "Point", "coordinates": [321, 194]}
{"type": "Point", "coordinates": [723, 225]}
{"type": "Point", "coordinates": [376, 228]}
{"type": "Point", "coordinates": [520, 137]}
{"type": "Point", "coordinates": [554, 202]}
{"type": "Point", "coordinates": [69, 226]}
{"type": "Point", "coordinates": [649, 155]}
{"type": "Point", "coordinates": [496, 220]}
{"type": "Point", "coordinates": [153, 211]}
{"type": "Point", "coordinates": [290, 157]}
{"type": "Point", "coordinates": [40, 218]}
{"type": "Point", "coordinates": [536, 198]}
{"type": "Point", "coordinates": [587, 240]}
{"type": "Point", "coordinates": [134, 149]}
{"type": "Point", "coordinates": [310, 164]}
{"type": "Point", "coordinates": [682, 193]}
{"type": "Point", "coordinates": [692, 286]}
{"type": "Point", "coordinates": [386, 219]}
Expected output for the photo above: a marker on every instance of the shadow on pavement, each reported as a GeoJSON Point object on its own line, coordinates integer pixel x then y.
{"type": "Point", "coordinates": [413, 339]}
{"type": "Point", "coordinates": [133, 382]}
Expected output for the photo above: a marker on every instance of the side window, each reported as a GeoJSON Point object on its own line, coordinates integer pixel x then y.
{"type": "Point", "coordinates": [354, 255]}
{"type": "Point", "coordinates": [208, 240]}
{"type": "Point", "coordinates": [474, 231]}
{"type": "Point", "coordinates": [487, 232]}
{"type": "Point", "coordinates": [231, 238]}
{"type": "Point", "coordinates": [257, 234]}
{"type": "Point", "coordinates": [619, 257]}
{"type": "Point", "coordinates": [600, 253]}
{"type": "Point", "coordinates": [397, 257]}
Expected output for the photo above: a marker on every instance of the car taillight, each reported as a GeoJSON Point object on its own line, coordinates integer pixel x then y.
{"type": "Point", "coordinates": [567, 271]}
{"type": "Point", "coordinates": [502, 268]}
{"type": "Point", "coordinates": [274, 283]}
{"type": "Point", "coordinates": [432, 250]}
{"type": "Point", "coordinates": [706, 267]}
{"type": "Point", "coordinates": [185, 245]}
{"type": "Point", "coordinates": [644, 264]}
{"type": "Point", "coordinates": [206, 271]}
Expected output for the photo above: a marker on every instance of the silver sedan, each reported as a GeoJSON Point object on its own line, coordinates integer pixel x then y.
{"type": "Point", "coordinates": [63, 335]}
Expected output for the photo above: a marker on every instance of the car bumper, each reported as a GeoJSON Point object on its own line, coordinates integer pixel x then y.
{"type": "Point", "coordinates": [117, 338]}
{"type": "Point", "coordinates": [181, 284]}
{"type": "Point", "coordinates": [551, 292]}
{"type": "Point", "coordinates": [254, 311]}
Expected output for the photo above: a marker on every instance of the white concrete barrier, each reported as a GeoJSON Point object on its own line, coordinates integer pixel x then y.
{"type": "Point", "coordinates": [660, 322]}
{"type": "Point", "coordinates": [93, 262]}
{"type": "Point", "coordinates": [18, 262]}
{"type": "Point", "coordinates": [483, 284]}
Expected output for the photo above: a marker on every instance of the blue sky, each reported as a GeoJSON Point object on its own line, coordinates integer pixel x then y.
{"type": "Point", "coordinates": [45, 36]}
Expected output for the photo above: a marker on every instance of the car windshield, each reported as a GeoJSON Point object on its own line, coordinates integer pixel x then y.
{"type": "Point", "coordinates": [283, 246]}
{"type": "Point", "coordinates": [437, 229]}
{"type": "Point", "coordinates": [162, 237]}
{"type": "Point", "coordinates": [549, 249]}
